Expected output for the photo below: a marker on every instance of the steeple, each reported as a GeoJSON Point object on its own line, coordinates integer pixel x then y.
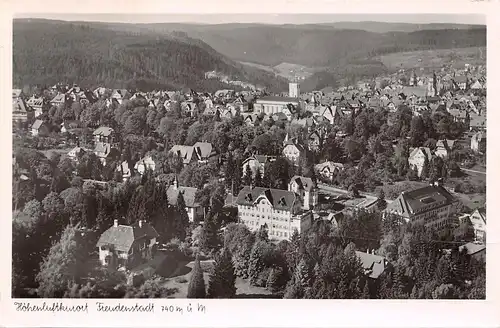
{"type": "Point", "coordinates": [176, 183]}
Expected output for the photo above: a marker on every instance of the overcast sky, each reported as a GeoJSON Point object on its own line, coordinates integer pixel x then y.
{"type": "Point", "coordinates": [266, 18]}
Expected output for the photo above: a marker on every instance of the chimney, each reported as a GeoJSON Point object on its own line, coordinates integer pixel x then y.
{"type": "Point", "coordinates": [373, 251]}
{"type": "Point", "coordinates": [140, 223]}
{"type": "Point", "coordinates": [176, 183]}
{"type": "Point", "coordinates": [115, 223]}
{"type": "Point", "coordinates": [367, 251]}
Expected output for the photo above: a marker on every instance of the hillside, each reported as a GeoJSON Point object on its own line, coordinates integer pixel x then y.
{"type": "Point", "coordinates": [326, 44]}
{"type": "Point", "coordinates": [46, 52]}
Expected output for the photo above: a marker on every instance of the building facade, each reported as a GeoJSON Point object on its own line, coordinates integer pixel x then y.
{"type": "Point", "coordinates": [127, 246]}
{"type": "Point", "coordinates": [281, 211]}
{"type": "Point", "coordinates": [270, 105]}
{"type": "Point", "coordinates": [432, 206]}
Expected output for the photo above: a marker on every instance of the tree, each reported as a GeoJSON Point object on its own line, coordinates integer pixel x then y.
{"type": "Point", "coordinates": [257, 261]}
{"type": "Point", "coordinates": [182, 219]}
{"type": "Point", "coordinates": [381, 202]}
{"type": "Point", "coordinates": [302, 274]}
{"type": "Point", "coordinates": [353, 191]}
{"type": "Point", "coordinates": [239, 241]}
{"type": "Point", "coordinates": [263, 234]}
{"type": "Point", "coordinates": [417, 132]}
{"type": "Point", "coordinates": [209, 239]}
{"type": "Point", "coordinates": [247, 177]}
{"type": "Point", "coordinates": [366, 291]}
{"type": "Point", "coordinates": [258, 178]}
{"type": "Point", "coordinates": [63, 265]}
{"type": "Point", "coordinates": [222, 280]}
{"type": "Point", "coordinates": [424, 174]}
{"type": "Point", "coordinates": [196, 287]}
{"type": "Point", "coordinates": [274, 280]}
{"type": "Point", "coordinates": [445, 291]}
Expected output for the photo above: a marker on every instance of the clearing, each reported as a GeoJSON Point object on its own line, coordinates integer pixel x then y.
{"type": "Point", "coordinates": [458, 57]}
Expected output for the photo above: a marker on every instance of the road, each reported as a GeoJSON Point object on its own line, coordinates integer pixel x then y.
{"type": "Point", "coordinates": [326, 188]}
{"type": "Point", "coordinates": [473, 171]}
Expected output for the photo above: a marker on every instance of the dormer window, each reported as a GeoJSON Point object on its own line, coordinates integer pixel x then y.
{"type": "Point", "coordinates": [282, 201]}
{"type": "Point", "coordinates": [248, 197]}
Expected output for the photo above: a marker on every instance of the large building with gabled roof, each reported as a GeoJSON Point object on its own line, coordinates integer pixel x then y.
{"type": "Point", "coordinates": [432, 205]}
{"type": "Point", "coordinates": [281, 211]}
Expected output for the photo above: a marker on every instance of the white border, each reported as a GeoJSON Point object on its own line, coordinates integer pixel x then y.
{"type": "Point", "coordinates": [255, 313]}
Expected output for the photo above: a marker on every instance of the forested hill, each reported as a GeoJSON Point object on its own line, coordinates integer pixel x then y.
{"type": "Point", "coordinates": [321, 46]}
{"type": "Point", "coordinates": [47, 52]}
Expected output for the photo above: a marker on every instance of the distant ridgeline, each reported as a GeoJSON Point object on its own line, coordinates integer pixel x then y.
{"type": "Point", "coordinates": [46, 52]}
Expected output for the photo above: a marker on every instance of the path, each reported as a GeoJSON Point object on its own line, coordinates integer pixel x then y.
{"type": "Point", "coordinates": [473, 171]}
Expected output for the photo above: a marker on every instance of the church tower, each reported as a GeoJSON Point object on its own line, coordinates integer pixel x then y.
{"type": "Point", "coordinates": [293, 88]}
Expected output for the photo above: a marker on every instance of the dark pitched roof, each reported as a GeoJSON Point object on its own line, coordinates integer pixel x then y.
{"type": "Point", "coordinates": [122, 237]}
{"type": "Point", "coordinates": [374, 265]}
{"type": "Point", "coordinates": [103, 131]}
{"type": "Point", "coordinates": [473, 248]}
{"type": "Point", "coordinates": [280, 199]}
{"type": "Point", "coordinates": [410, 202]}
{"type": "Point", "coordinates": [37, 124]}
{"type": "Point", "coordinates": [203, 149]}
{"type": "Point", "coordinates": [188, 193]}
{"type": "Point", "coordinates": [303, 182]}
{"type": "Point", "coordinates": [184, 152]}
{"type": "Point", "coordinates": [280, 99]}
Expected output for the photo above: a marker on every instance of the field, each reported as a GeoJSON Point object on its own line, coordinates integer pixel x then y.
{"type": "Point", "coordinates": [435, 58]}
{"type": "Point", "coordinates": [286, 70]}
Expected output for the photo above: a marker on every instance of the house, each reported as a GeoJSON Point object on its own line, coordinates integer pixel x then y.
{"type": "Point", "coordinates": [476, 85]}
{"type": "Point", "coordinates": [432, 206]}
{"type": "Point", "coordinates": [328, 170]}
{"type": "Point", "coordinates": [104, 134]}
{"type": "Point", "coordinates": [444, 148]}
{"type": "Point", "coordinates": [418, 157]}
{"type": "Point", "coordinates": [194, 210]}
{"type": "Point", "coordinates": [105, 152]}
{"type": "Point", "coordinates": [281, 211]}
{"type": "Point", "coordinates": [314, 141]}
{"type": "Point", "coordinates": [203, 151]}
{"type": "Point", "coordinates": [125, 171]}
{"type": "Point", "coordinates": [75, 153]}
{"type": "Point", "coordinates": [250, 119]}
{"type": "Point", "coordinates": [477, 122]}
{"type": "Point", "coordinates": [306, 189]}
{"type": "Point", "coordinates": [475, 250]}
{"type": "Point", "coordinates": [144, 164]}
{"type": "Point", "coordinates": [332, 114]}
{"type": "Point", "coordinates": [200, 151]}
{"type": "Point", "coordinates": [39, 128]}
{"type": "Point", "coordinates": [38, 105]}
{"type": "Point", "coordinates": [119, 95]}
{"type": "Point", "coordinates": [59, 99]}
{"type": "Point", "coordinates": [478, 220]}
{"type": "Point", "coordinates": [67, 126]}
{"type": "Point", "coordinates": [460, 82]}
{"type": "Point", "coordinates": [478, 142]}
{"type": "Point", "coordinates": [20, 112]}
{"type": "Point", "coordinates": [293, 151]}
{"type": "Point", "coordinates": [257, 163]}
{"type": "Point", "coordinates": [127, 245]}
{"type": "Point", "coordinates": [373, 265]}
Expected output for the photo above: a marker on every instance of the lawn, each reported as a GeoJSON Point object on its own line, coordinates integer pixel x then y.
{"type": "Point", "coordinates": [181, 271]}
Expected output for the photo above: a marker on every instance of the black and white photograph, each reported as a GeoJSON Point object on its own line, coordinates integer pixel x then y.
{"type": "Point", "coordinates": [249, 156]}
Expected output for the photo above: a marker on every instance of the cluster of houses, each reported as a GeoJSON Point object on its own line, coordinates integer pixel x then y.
{"type": "Point", "coordinates": [282, 211]}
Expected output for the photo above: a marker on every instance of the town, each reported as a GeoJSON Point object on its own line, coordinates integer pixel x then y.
{"type": "Point", "coordinates": [373, 190]}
